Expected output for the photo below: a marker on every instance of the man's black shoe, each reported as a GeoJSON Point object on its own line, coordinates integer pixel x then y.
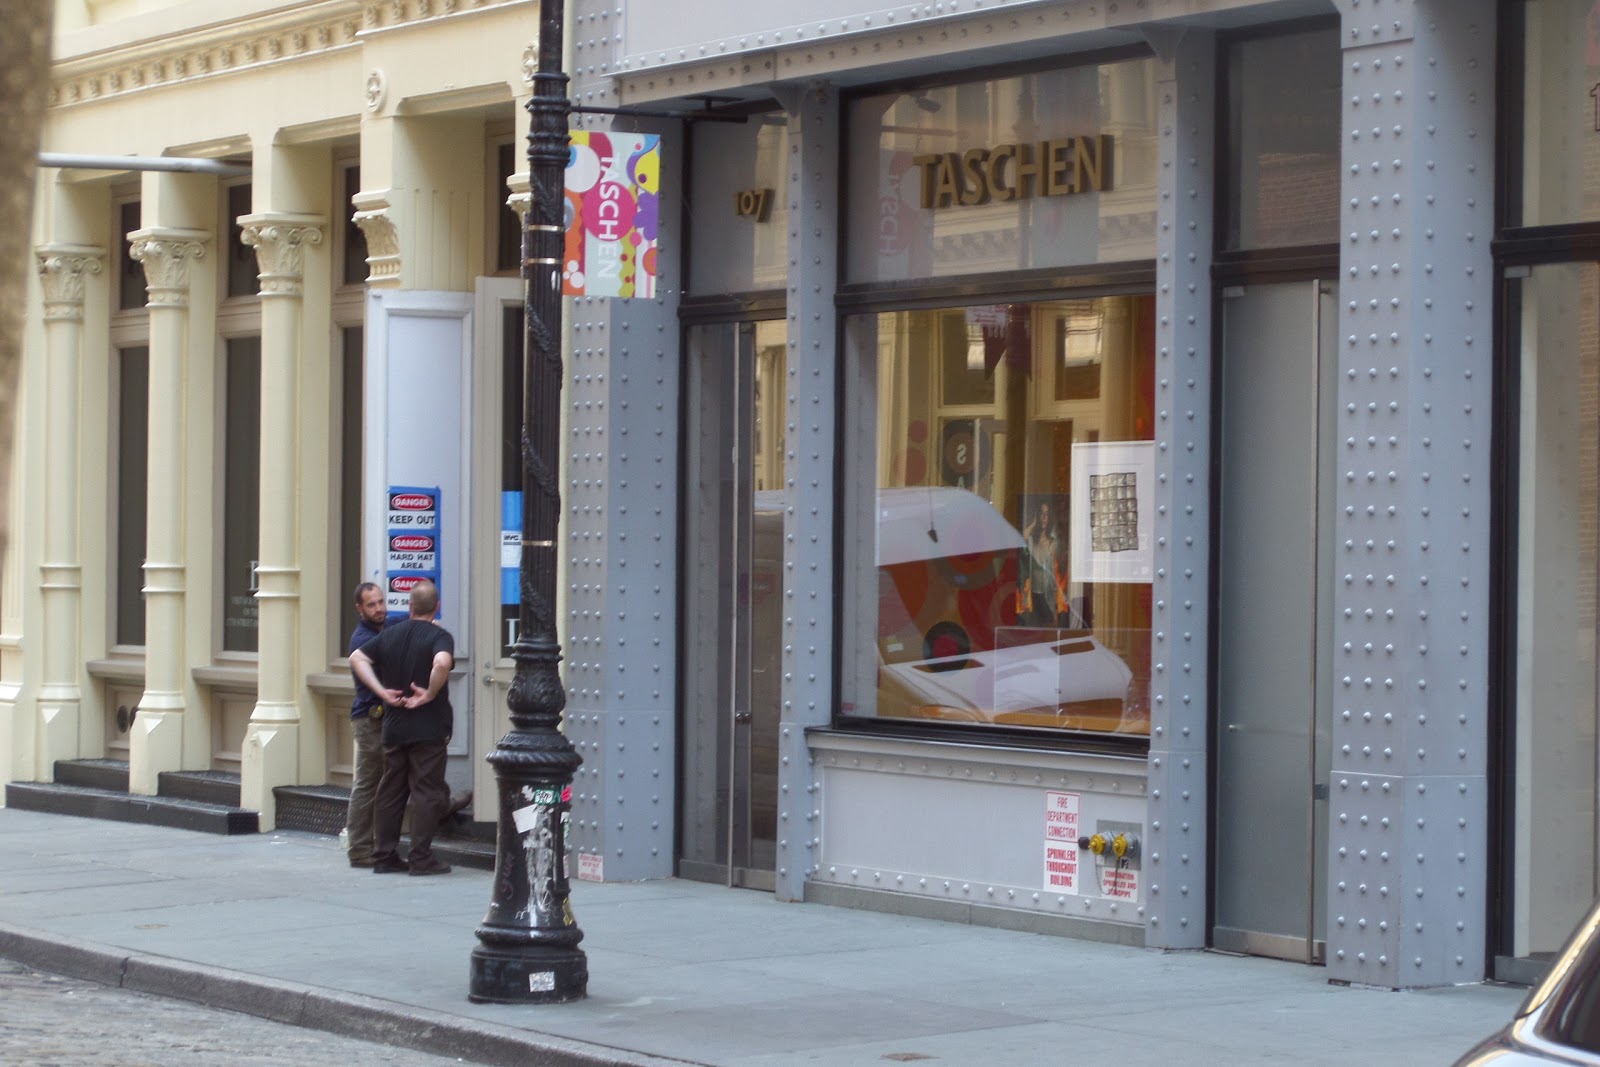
{"type": "Point", "coordinates": [431, 867]}
{"type": "Point", "coordinates": [390, 866]}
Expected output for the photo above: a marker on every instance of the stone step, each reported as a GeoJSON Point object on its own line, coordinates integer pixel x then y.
{"type": "Point", "coordinates": [111, 774]}
{"type": "Point", "coordinates": [462, 852]}
{"type": "Point", "coordinates": [315, 809]}
{"type": "Point", "coordinates": [211, 787]}
{"type": "Point", "coordinates": [88, 802]}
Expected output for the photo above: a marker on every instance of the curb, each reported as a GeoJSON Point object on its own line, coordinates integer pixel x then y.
{"type": "Point", "coordinates": [314, 1007]}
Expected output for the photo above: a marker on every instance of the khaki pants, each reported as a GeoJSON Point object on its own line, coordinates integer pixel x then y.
{"type": "Point", "coordinates": [358, 820]}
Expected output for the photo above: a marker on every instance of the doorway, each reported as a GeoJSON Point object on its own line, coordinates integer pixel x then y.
{"type": "Point", "coordinates": [1273, 618]}
{"type": "Point", "coordinates": [732, 607]}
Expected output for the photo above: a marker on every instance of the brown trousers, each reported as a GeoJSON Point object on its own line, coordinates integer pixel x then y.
{"type": "Point", "coordinates": [412, 773]}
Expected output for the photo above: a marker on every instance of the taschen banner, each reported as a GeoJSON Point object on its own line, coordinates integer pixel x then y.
{"type": "Point", "coordinates": [613, 188]}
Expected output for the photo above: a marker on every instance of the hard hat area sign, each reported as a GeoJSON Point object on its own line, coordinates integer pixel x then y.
{"type": "Point", "coordinates": [412, 545]}
{"type": "Point", "coordinates": [413, 552]}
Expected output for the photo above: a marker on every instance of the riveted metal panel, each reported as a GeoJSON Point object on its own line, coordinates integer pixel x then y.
{"type": "Point", "coordinates": [620, 518]}
{"type": "Point", "coordinates": [1180, 632]}
{"type": "Point", "coordinates": [1407, 896]}
{"type": "Point", "coordinates": [808, 549]}
{"type": "Point", "coordinates": [1412, 533]}
{"type": "Point", "coordinates": [706, 51]}
{"type": "Point", "coordinates": [989, 801]}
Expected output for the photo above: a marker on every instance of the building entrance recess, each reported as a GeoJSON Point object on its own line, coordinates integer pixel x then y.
{"type": "Point", "coordinates": [732, 614]}
{"type": "Point", "coordinates": [1274, 560]}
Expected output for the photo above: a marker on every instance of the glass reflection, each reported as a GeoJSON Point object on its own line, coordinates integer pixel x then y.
{"type": "Point", "coordinates": [1010, 561]}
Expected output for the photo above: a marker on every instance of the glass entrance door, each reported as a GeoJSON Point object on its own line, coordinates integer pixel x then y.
{"type": "Point", "coordinates": [1274, 585]}
{"type": "Point", "coordinates": [733, 537]}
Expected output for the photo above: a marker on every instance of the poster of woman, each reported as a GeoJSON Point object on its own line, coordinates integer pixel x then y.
{"type": "Point", "coordinates": [1042, 573]}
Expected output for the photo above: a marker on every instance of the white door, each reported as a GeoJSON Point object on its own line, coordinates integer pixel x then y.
{"type": "Point", "coordinates": [496, 518]}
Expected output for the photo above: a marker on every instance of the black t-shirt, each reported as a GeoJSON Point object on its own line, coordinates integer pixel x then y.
{"type": "Point", "coordinates": [402, 654]}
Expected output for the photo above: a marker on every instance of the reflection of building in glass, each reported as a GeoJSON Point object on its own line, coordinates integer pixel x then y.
{"type": "Point", "coordinates": [1114, 512]}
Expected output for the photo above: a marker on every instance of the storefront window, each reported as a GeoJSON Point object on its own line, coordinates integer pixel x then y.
{"type": "Point", "coordinates": [1557, 516]}
{"type": "Point", "coordinates": [740, 205]}
{"type": "Point", "coordinates": [1003, 561]}
{"type": "Point", "coordinates": [1560, 125]}
{"type": "Point", "coordinates": [1053, 169]}
{"type": "Point", "coordinates": [1283, 123]}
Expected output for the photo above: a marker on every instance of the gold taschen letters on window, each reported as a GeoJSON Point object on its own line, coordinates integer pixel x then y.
{"type": "Point", "coordinates": [1061, 167]}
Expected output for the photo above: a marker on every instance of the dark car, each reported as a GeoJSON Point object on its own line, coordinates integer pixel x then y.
{"type": "Point", "coordinates": [1559, 1022]}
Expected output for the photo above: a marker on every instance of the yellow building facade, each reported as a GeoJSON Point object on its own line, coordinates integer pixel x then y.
{"type": "Point", "coordinates": [204, 442]}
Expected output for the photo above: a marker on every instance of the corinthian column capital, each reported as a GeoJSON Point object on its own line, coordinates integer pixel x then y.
{"type": "Point", "coordinates": [165, 255]}
{"type": "Point", "coordinates": [280, 242]}
{"type": "Point", "coordinates": [521, 195]}
{"type": "Point", "coordinates": [383, 240]}
{"type": "Point", "coordinates": [61, 273]}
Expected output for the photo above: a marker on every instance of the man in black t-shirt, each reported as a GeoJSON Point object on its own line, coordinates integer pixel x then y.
{"type": "Point", "coordinates": [408, 667]}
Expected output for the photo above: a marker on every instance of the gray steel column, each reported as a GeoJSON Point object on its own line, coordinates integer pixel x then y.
{"type": "Point", "coordinates": [1408, 797]}
{"type": "Point", "coordinates": [621, 524]}
{"type": "Point", "coordinates": [809, 604]}
{"type": "Point", "coordinates": [1175, 916]}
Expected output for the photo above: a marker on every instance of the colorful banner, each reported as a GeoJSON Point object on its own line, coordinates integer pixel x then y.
{"type": "Point", "coordinates": [613, 214]}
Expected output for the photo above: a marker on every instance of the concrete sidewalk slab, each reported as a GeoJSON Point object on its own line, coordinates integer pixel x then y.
{"type": "Point", "coordinates": [279, 925]}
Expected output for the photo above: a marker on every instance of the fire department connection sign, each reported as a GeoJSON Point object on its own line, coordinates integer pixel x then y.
{"type": "Point", "coordinates": [413, 545]}
{"type": "Point", "coordinates": [613, 213]}
{"type": "Point", "coordinates": [1061, 842]}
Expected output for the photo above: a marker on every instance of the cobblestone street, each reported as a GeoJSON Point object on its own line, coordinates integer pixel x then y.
{"type": "Point", "coordinates": [61, 1022]}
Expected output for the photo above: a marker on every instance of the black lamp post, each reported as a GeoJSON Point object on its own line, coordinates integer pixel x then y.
{"type": "Point", "coordinates": [529, 950]}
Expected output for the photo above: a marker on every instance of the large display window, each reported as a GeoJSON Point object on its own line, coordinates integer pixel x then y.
{"type": "Point", "coordinates": [999, 555]}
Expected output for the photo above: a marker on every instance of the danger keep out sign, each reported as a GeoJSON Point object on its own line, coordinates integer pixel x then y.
{"type": "Point", "coordinates": [412, 543]}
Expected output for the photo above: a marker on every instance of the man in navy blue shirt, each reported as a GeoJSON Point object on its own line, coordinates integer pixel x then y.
{"type": "Point", "coordinates": [366, 715]}
{"type": "Point", "coordinates": [408, 667]}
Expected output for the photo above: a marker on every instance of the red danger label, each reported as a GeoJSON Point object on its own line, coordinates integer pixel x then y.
{"type": "Point", "coordinates": [410, 502]}
{"type": "Point", "coordinates": [410, 543]}
{"type": "Point", "coordinates": [402, 583]}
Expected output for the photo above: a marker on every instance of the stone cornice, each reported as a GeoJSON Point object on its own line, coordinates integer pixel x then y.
{"type": "Point", "coordinates": [305, 31]}
{"type": "Point", "coordinates": [165, 255]}
{"type": "Point", "coordinates": [209, 51]}
{"type": "Point", "coordinates": [61, 276]}
{"type": "Point", "coordinates": [280, 242]}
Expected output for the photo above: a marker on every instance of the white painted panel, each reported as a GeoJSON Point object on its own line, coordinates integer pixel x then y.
{"type": "Point", "coordinates": [418, 389]}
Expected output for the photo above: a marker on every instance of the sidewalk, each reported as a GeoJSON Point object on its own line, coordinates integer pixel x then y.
{"type": "Point", "coordinates": [278, 925]}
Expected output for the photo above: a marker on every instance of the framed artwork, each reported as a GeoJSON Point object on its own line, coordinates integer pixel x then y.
{"type": "Point", "coordinates": [1112, 511]}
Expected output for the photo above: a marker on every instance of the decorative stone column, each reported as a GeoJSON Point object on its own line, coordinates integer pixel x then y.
{"type": "Point", "coordinates": [156, 742]}
{"type": "Point", "coordinates": [271, 754]}
{"type": "Point", "coordinates": [62, 269]}
{"type": "Point", "coordinates": [383, 240]}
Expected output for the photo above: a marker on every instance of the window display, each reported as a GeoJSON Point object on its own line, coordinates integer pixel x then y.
{"type": "Point", "coordinates": [1005, 578]}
